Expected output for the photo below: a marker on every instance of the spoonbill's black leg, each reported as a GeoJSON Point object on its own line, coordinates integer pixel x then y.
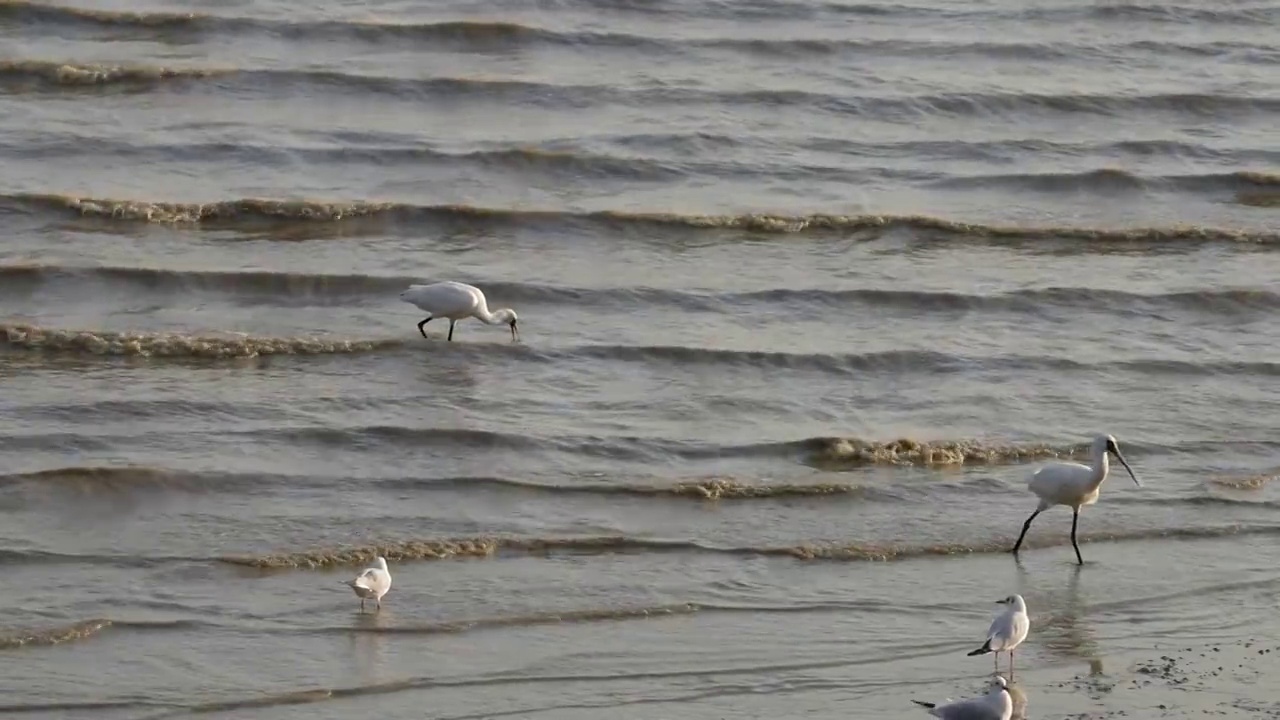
{"type": "Point", "coordinates": [424, 322]}
{"type": "Point", "coordinates": [451, 322]}
{"type": "Point", "coordinates": [1075, 518]}
{"type": "Point", "coordinates": [1025, 527]}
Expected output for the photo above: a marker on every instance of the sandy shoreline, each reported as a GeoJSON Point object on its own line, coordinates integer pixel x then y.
{"type": "Point", "coordinates": [1231, 679]}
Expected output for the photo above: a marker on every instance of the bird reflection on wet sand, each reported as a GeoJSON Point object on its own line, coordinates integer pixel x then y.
{"type": "Point", "coordinates": [369, 646]}
{"type": "Point", "coordinates": [1061, 625]}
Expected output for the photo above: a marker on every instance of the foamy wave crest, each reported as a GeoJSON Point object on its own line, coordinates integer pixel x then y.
{"type": "Point", "coordinates": [1254, 481]}
{"type": "Point", "coordinates": [474, 33]}
{"type": "Point", "coordinates": [286, 287]}
{"type": "Point", "coordinates": [91, 479]}
{"type": "Point", "coordinates": [250, 213]}
{"type": "Point", "coordinates": [504, 33]}
{"type": "Point", "coordinates": [37, 74]}
{"type": "Point", "coordinates": [25, 10]}
{"type": "Point", "coordinates": [840, 451]}
{"type": "Point", "coordinates": [854, 451]}
{"type": "Point", "coordinates": [397, 551]}
{"type": "Point", "coordinates": [489, 546]}
{"type": "Point", "coordinates": [708, 488]}
{"type": "Point", "coordinates": [144, 344]}
{"type": "Point", "coordinates": [723, 488]}
{"type": "Point", "coordinates": [227, 211]}
{"type": "Point", "coordinates": [520, 92]}
{"type": "Point", "coordinates": [52, 636]}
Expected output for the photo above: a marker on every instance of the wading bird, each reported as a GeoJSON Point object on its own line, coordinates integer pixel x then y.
{"type": "Point", "coordinates": [997, 704]}
{"type": "Point", "coordinates": [1073, 485]}
{"type": "Point", "coordinates": [456, 301]}
{"type": "Point", "coordinates": [372, 583]}
{"type": "Point", "coordinates": [1007, 631]}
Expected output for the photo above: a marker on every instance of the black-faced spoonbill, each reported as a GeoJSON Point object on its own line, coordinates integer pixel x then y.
{"type": "Point", "coordinates": [455, 300]}
{"type": "Point", "coordinates": [997, 704]}
{"type": "Point", "coordinates": [1007, 631]}
{"type": "Point", "coordinates": [372, 583]}
{"type": "Point", "coordinates": [1073, 485]}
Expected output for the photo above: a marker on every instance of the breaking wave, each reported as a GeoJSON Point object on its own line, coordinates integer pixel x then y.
{"type": "Point", "coordinates": [52, 636]}
{"type": "Point", "coordinates": [94, 479]}
{"type": "Point", "coordinates": [708, 488]}
{"type": "Point", "coordinates": [1112, 180]}
{"type": "Point", "coordinates": [284, 288]}
{"type": "Point", "coordinates": [479, 35]}
{"type": "Point", "coordinates": [1253, 481]}
{"type": "Point", "coordinates": [842, 451]}
{"type": "Point", "coordinates": [825, 452]}
{"type": "Point", "coordinates": [676, 155]}
{"type": "Point", "coordinates": [445, 89]}
{"type": "Point", "coordinates": [491, 546]}
{"type": "Point", "coordinates": [235, 346]}
{"type": "Point", "coordinates": [182, 345]}
{"type": "Point", "coordinates": [249, 214]}
{"type": "Point", "coordinates": [38, 75]}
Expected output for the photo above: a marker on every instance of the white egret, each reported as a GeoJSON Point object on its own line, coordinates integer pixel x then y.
{"type": "Point", "coordinates": [1007, 631]}
{"type": "Point", "coordinates": [997, 704]}
{"type": "Point", "coordinates": [1073, 485]}
{"type": "Point", "coordinates": [455, 301]}
{"type": "Point", "coordinates": [372, 583]}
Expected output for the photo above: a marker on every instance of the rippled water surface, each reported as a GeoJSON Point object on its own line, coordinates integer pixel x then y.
{"type": "Point", "coordinates": [806, 289]}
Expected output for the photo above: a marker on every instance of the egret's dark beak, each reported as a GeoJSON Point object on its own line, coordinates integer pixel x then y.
{"type": "Point", "coordinates": [514, 335]}
{"type": "Point", "coordinates": [1002, 602]}
{"type": "Point", "coordinates": [1126, 467]}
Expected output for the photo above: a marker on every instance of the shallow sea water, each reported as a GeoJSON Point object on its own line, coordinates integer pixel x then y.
{"type": "Point", "coordinates": [806, 290]}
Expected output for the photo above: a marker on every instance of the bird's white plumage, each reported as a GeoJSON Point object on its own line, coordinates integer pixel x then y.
{"type": "Point", "coordinates": [456, 301]}
{"type": "Point", "coordinates": [1010, 627]}
{"type": "Point", "coordinates": [1074, 485]}
{"type": "Point", "coordinates": [1007, 631]}
{"type": "Point", "coordinates": [453, 300]}
{"type": "Point", "coordinates": [997, 704]}
{"type": "Point", "coordinates": [372, 583]}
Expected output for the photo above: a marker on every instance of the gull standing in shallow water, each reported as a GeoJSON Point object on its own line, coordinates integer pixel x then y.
{"type": "Point", "coordinates": [455, 301]}
{"type": "Point", "coordinates": [372, 583]}
{"type": "Point", "coordinates": [997, 704]}
{"type": "Point", "coordinates": [1007, 631]}
{"type": "Point", "coordinates": [1074, 485]}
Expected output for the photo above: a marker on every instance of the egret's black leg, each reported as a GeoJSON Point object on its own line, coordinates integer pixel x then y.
{"type": "Point", "coordinates": [1025, 527]}
{"type": "Point", "coordinates": [1075, 518]}
{"type": "Point", "coordinates": [451, 322]}
{"type": "Point", "coordinates": [424, 322]}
